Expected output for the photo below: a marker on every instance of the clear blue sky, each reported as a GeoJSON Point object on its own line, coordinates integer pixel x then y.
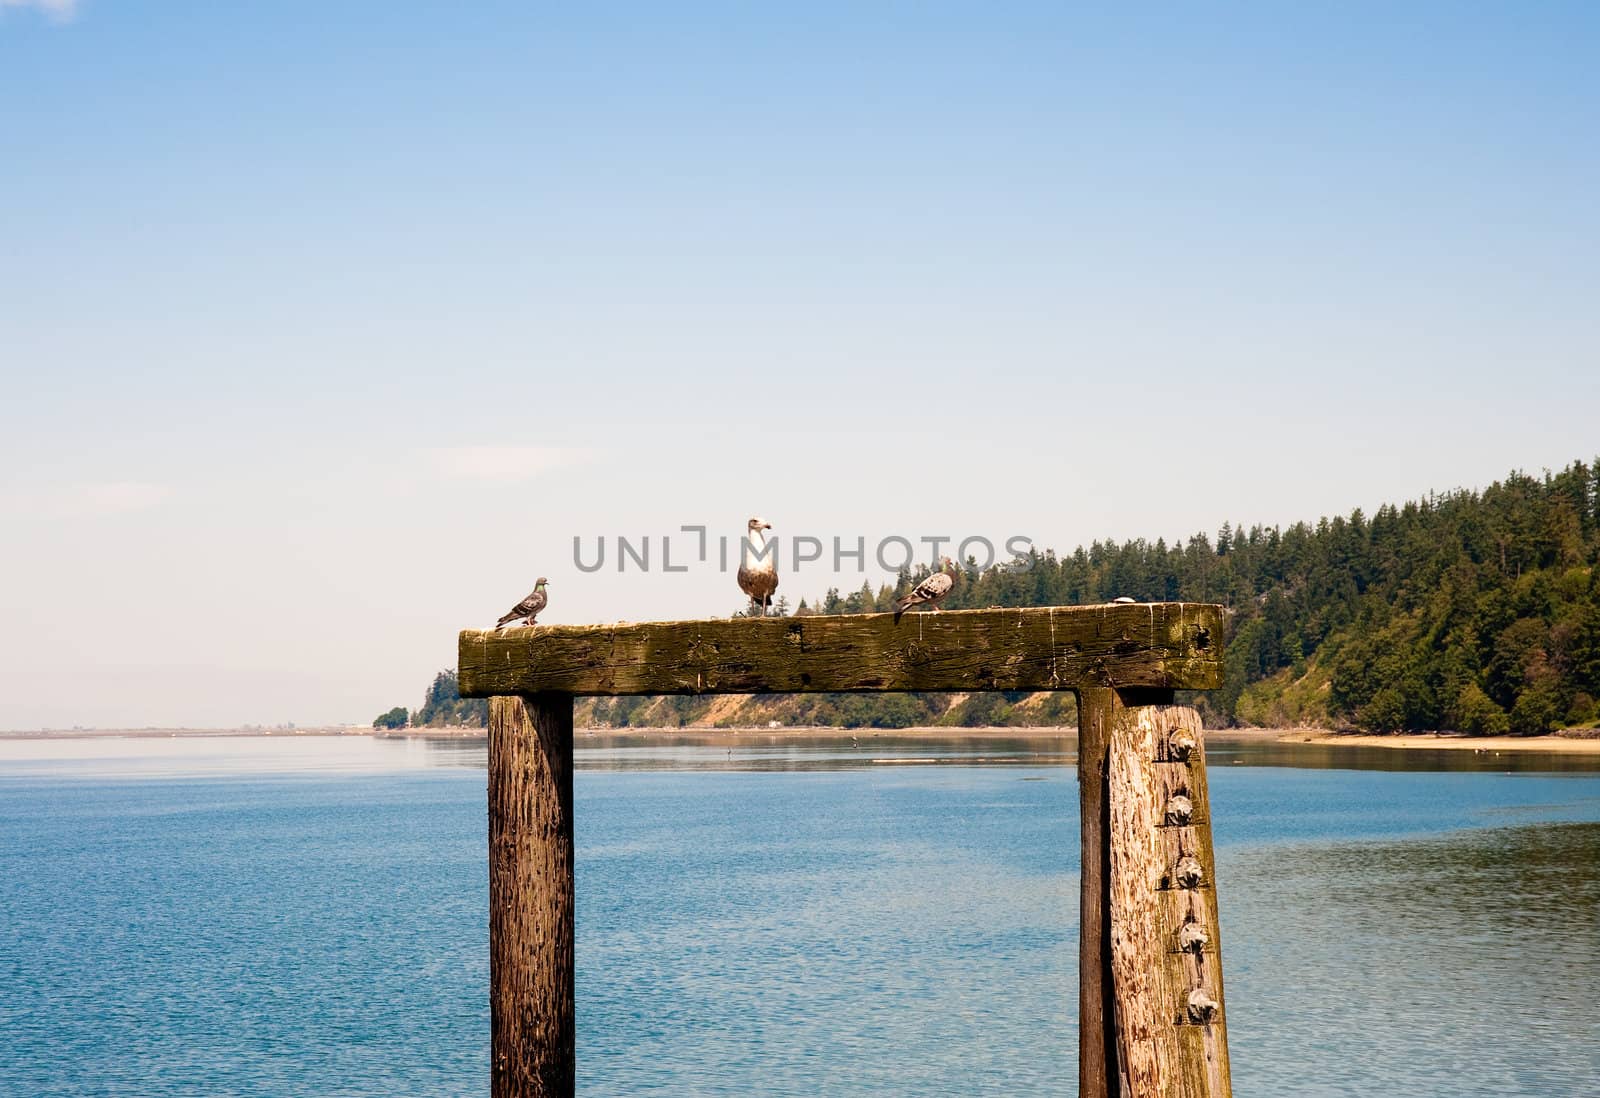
{"type": "Point", "coordinates": [325, 327]}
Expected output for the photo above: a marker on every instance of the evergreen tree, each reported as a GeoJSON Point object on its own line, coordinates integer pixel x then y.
{"type": "Point", "coordinates": [393, 719]}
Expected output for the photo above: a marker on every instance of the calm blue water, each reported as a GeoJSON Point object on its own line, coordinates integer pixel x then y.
{"type": "Point", "coordinates": [308, 917]}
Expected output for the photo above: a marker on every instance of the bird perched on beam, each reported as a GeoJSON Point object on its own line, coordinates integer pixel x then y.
{"type": "Point", "coordinates": [930, 591]}
{"type": "Point", "coordinates": [528, 608]}
{"type": "Point", "coordinates": [758, 568]}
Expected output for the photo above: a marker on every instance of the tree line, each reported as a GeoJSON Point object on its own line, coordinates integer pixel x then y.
{"type": "Point", "coordinates": [1473, 611]}
{"type": "Point", "coordinates": [442, 707]}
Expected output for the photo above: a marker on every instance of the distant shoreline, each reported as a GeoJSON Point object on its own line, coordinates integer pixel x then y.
{"type": "Point", "coordinates": [187, 733]}
{"type": "Point", "coordinates": [1433, 741]}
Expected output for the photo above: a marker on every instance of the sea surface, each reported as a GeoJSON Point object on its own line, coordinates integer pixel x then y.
{"type": "Point", "coordinates": [307, 916]}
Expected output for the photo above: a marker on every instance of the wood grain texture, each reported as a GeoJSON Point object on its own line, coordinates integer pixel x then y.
{"type": "Point", "coordinates": [1099, 711]}
{"type": "Point", "coordinates": [531, 993]}
{"type": "Point", "coordinates": [1097, 1050]}
{"type": "Point", "coordinates": [1147, 1044]}
{"type": "Point", "coordinates": [1165, 645]}
{"type": "Point", "coordinates": [1165, 939]}
{"type": "Point", "coordinates": [1203, 1066]}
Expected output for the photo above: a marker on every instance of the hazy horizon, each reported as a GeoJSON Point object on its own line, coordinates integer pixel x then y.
{"type": "Point", "coordinates": [327, 329]}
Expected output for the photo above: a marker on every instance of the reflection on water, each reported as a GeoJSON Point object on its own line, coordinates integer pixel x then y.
{"type": "Point", "coordinates": [596, 751]}
{"type": "Point", "coordinates": [190, 756]}
{"type": "Point", "coordinates": [1222, 750]}
{"type": "Point", "coordinates": [1467, 964]}
{"type": "Point", "coordinates": [878, 917]}
{"type": "Point", "coordinates": [758, 752]}
{"type": "Point", "coordinates": [219, 756]}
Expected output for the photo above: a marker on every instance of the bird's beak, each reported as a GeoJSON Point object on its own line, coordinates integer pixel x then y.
{"type": "Point", "coordinates": [766, 525]}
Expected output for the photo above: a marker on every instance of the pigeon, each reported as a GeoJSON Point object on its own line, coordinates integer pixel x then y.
{"type": "Point", "coordinates": [931, 590]}
{"type": "Point", "coordinates": [528, 608]}
{"type": "Point", "coordinates": [758, 569]}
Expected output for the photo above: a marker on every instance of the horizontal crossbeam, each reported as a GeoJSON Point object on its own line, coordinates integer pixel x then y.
{"type": "Point", "coordinates": [1163, 644]}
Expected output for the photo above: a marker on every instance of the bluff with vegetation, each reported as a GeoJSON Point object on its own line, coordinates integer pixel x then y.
{"type": "Point", "coordinates": [1474, 611]}
{"type": "Point", "coordinates": [442, 707]}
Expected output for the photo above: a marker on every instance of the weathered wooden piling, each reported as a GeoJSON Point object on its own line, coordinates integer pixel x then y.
{"type": "Point", "coordinates": [1149, 961]}
{"type": "Point", "coordinates": [1152, 1020]}
{"type": "Point", "coordinates": [531, 992]}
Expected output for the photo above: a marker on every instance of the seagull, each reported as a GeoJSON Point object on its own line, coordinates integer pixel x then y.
{"type": "Point", "coordinates": [931, 590]}
{"type": "Point", "coordinates": [529, 607]}
{"type": "Point", "coordinates": [758, 569]}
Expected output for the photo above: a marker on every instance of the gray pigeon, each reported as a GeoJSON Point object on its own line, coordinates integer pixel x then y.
{"type": "Point", "coordinates": [529, 607]}
{"type": "Point", "coordinates": [931, 590]}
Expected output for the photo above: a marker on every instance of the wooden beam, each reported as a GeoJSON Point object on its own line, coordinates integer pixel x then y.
{"type": "Point", "coordinates": [1165, 644]}
{"type": "Point", "coordinates": [532, 1005]}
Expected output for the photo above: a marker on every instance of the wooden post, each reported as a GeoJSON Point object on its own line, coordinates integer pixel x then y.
{"type": "Point", "coordinates": [531, 995]}
{"type": "Point", "coordinates": [1152, 1018]}
{"type": "Point", "coordinates": [1097, 1044]}
{"type": "Point", "coordinates": [1190, 926]}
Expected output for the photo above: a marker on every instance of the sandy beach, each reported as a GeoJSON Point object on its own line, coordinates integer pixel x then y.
{"type": "Point", "coordinates": [1433, 741]}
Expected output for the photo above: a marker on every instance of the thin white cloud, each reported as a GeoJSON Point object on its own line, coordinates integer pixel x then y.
{"type": "Point", "coordinates": [114, 497]}
{"type": "Point", "coordinates": [503, 462]}
{"type": "Point", "coordinates": [60, 10]}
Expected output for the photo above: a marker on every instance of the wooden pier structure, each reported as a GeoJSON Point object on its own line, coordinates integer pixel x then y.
{"type": "Point", "coordinates": [1152, 1020]}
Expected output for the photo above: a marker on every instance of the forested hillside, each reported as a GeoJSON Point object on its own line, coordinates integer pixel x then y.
{"type": "Point", "coordinates": [1475, 611]}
